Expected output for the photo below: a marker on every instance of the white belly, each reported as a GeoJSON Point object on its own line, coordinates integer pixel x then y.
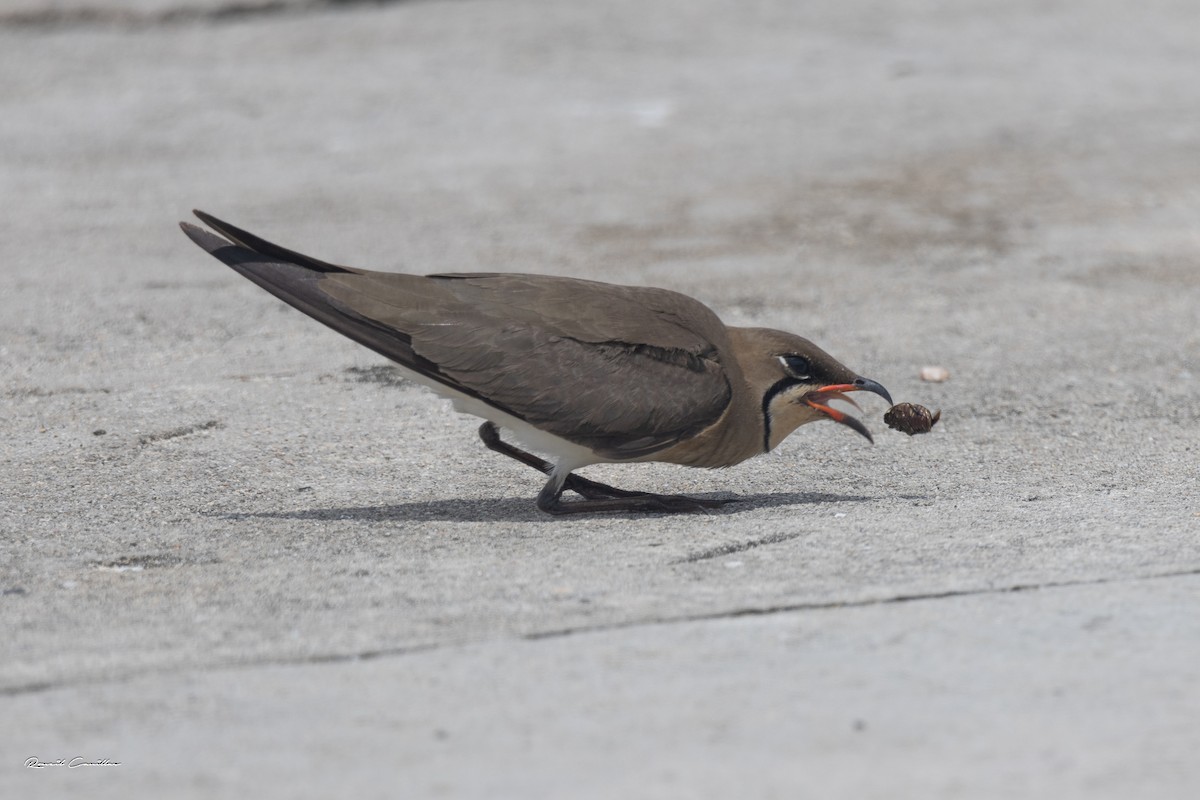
{"type": "Point", "coordinates": [566, 456]}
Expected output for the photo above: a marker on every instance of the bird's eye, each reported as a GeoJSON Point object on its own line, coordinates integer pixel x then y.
{"type": "Point", "coordinates": [797, 366]}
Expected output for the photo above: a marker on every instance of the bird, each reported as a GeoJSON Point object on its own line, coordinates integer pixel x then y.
{"type": "Point", "coordinates": [583, 371]}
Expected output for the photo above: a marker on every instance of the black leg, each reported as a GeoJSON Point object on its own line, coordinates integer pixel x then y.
{"type": "Point", "coordinates": [490, 435]}
{"type": "Point", "coordinates": [599, 497]}
{"type": "Point", "coordinates": [491, 438]}
{"type": "Point", "coordinates": [550, 501]}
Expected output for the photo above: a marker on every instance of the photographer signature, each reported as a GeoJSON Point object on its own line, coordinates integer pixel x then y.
{"type": "Point", "coordinates": [77, 761]}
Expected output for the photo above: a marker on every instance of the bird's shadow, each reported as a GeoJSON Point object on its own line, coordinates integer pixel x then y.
{"type": "Point", "coordinates": [519, 509]}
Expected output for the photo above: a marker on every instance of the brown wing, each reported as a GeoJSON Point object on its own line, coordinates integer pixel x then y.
{"type": "Point", "coordinates": [625, 371]}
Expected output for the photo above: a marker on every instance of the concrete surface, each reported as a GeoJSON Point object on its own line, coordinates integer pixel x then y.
{"type": "Point", "coordinates": [240, 558]}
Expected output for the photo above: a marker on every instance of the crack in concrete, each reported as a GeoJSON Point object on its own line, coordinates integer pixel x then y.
{"type": "Point", "coordinates": [321, 658]}
{"type": "Point", "coordinates": [58, 17]}
{"type": "Point", "coordinates": [175, 433]}
{"type": "Point", "coordinates": [21, 392]}
{"type": "Point", "coordinates": [734, 547]}
{"type": "Point", "coordinates": [833, 605]}
{"type": "Point", "coordinates": [735, 613]}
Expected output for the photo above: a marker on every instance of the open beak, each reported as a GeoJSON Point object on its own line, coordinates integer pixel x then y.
{"type": "Point", "coordinates": [821, 397]}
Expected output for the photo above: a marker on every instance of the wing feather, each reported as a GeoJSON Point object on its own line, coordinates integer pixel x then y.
{"type": "Point", "coordinates": [624, 373]}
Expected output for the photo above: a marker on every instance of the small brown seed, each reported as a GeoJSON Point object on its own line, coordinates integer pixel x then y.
{"type": "Point", "coordinates": [911, 418]}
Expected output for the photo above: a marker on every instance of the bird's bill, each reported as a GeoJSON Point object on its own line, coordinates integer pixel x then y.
{"type": "Point", "coordinates": [821, 397]}
{"type": "Point", "coordinates": [818, 399]}
{"type": "Point", "coordinates": [859, 385]}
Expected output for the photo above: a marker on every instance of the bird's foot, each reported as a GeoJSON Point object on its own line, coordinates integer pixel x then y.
{"type": "Point", "coordinates": [598, 500]}
{"type": "Point", "coordinates": [594, 490]}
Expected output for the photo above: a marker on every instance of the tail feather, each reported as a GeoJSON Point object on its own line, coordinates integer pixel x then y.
{"type": "Point", "coordinates": [252, 242]}
{"type": "Point", "coordinates": [293, 283]}
{"type": "Point", "coordinates": [296, 280]}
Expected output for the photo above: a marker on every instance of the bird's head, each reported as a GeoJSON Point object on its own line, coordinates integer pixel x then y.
{"type": "Point", "coordinates": [796, 381]}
